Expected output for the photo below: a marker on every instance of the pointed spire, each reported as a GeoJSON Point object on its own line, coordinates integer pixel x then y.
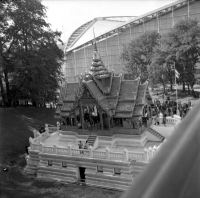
{"type": "Point", "coordinates": [97, 68]}
{"type": "Point", "coordinates": [95, 44]}
{"type": "Point", "coordinates": [96, 54]}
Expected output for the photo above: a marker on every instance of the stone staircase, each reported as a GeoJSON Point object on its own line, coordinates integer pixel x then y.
{"type": "Point", "coordinates": [91, 139]}
{"type": "Point", "coordinates": [155, 133]}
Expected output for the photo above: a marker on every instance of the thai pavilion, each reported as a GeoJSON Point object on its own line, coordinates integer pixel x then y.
{"type": "Point", "coordinates": [102, 101]}
{"type": "Point", "coordinates": [110, 113]}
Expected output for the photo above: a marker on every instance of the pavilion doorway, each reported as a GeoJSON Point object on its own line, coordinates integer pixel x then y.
{"type": "Point", "coordinates": [82, 174]}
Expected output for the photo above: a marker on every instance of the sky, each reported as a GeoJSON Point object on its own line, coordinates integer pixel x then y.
{"type": "Point", "coordinates": [67, 15]}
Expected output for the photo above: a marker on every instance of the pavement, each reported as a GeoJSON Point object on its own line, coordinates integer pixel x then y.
{"type": "Point", "coordinates": [165, 131]}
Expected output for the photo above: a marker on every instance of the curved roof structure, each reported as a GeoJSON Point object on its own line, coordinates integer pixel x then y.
{"type": "Point", "coordinates": [85, 32]}
{"type": "Point", "coordinates": [106, 28]}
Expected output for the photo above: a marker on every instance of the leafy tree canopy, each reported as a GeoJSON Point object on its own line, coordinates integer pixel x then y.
{"type": "Point", "coordinates": [137, 54]}
{"type": "Point", "coordinates": [30, 54]}
{"type": "Point", "coordinates": [180, 46]}
{"type": "Point", "coordinates": [183, 46]}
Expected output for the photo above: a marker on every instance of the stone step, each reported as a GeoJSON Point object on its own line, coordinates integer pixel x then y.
{"type": "Point", "coordinates": [91, 139]}
{"type": "Point", "coordinates": [152, 131]}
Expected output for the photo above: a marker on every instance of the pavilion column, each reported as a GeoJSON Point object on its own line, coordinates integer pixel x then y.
{"type": "Point", "coordinates": [121, 121]}
{"type": "Point", "coordinates": [140, 122]}
{"type": "Point", "coordinates": [112, 122]}
{"type": "Point", "coordinates": [75, 118]}
{"type": "Point", "coordinates": [143, 112]}
{"type": "Point", "coordinates": [109, 122]}
{"type": "Point", "coordinates": [70, 121]}
{"type": "Point", "coordinates": [148, 115]}
{"type": "Point", "coordinates": [81, 115]}
{"type": "Point", "coordinates": [150, 110]}
{"type": "Point", "coordinates": [101, 119]}
{"type": "Point", "coordinates": [90, 117]}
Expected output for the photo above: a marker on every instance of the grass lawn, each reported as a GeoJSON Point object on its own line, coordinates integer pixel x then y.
{"type": "Point", "coordinates": [16, 126]}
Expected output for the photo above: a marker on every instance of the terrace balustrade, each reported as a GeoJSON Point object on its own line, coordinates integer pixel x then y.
{"type": "Point", "coordinates": [36, 144]}
{"type": "Point", "coordinates": [126, 155]}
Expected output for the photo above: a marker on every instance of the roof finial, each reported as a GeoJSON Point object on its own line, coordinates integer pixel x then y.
{"type": "Point", "coordinates": [95, 44]}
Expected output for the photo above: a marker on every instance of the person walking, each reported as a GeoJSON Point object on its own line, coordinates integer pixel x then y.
{"type": "Point", "coordinates": [80, 146]}
{"type": "Point", "coordinates": [157, 121]}
{"type": "Point", "coordinates": [86, 145]}
{"type": "Point", "coordinates": [164, 119]}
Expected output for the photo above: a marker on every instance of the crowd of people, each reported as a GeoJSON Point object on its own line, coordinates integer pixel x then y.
{"type": "Point", "coordinates": [170, 108]}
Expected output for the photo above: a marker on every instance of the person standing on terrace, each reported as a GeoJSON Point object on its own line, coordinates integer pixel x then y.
{"type": "Point", "coordinates": [86, 145]}
{"type": "Point", "coordinates": [80, 146]}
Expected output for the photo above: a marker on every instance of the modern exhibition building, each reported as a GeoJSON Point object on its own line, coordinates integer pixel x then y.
{"type": "Point", "coordinates": [112, 33]}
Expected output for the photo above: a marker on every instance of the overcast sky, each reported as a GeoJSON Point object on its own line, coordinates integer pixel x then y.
{"type": "Point", "coordinates": [67, 15]}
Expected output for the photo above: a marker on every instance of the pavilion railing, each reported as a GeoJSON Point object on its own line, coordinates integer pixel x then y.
{"type": "Point", "coordinates": [146, 156]}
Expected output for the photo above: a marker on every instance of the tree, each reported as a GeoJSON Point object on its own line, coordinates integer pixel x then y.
{"type": "Point", "coordinates": [3, 25]}
{"type": "Point", "coordinates": [158, 68]}
{"type": "Point", "coordinates": [137, 54]}
{"type": "Point", "coordinates": [31, 57]}
{"type": "Point", "coordinates": [183, 45]}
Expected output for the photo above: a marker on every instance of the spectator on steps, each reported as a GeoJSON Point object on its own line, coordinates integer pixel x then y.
{"type": "Point", "coordinates": [157, 121]}
{"type": "Point", "coordinates": [86, 145]}
{"type": "Point", "coordinates": [80, 146]}
{"type": "Point", "coordinates": [164, 119]}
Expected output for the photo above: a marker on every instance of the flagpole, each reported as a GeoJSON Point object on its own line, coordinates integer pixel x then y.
{"type": "Point", "coordinates": [176, 90]}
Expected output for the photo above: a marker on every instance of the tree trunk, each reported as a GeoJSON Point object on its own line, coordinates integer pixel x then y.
{"type": "Point", "coordinates": [192, 90]}
{"type": "Point", "coordinates": [183, 86]}
{"type": "Point", "coordinates": [152, 87]}
{"type": "Point", "coordinates": [163, 88]}
{"type": "Point", "coordinates": [171, 83]}
{"type": "Point", "coordinates": [7, 85]}
{"type": "Point", "coordinates": [171, 86]}
{"type": "Point", "coordinates": [2, 91]}
{"type": "Point", "coordinates": [188, 88]}
{"type": "Point", "coordinates": [1, 83]}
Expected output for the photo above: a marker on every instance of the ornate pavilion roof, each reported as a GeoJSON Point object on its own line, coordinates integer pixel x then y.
{"type": "Point", "coordinates": [126, 98]}
{"type": "Point", "coordinates": [117, 96]}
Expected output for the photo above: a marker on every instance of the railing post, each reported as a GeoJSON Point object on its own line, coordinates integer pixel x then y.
{"type": "Point", "coordinates": [147, 154]}
{"type": "Point", "coordinates": [34, 133]}
{"type": "Point", "coordinates": [58, 126]}
{"type": "Point", "coordinates": [41, 145]}
{"type": "Point", "coordinates": [31, 142]}
{"type": "Point", "coordinates": [47, 129]}
{"type": "Point", "coordinates": [107, 153]}
{"type": "Point", "coordinates": [126, 156]}
{"type": "Point", "coordinates": [70, 150]}
{"type": "Point", "coordinates": [91, 151]}
{"type": "Point", "coordinates": [155, 148]}
{"type": "Point", "coordinates": [152, 152]}
{"type": "Point", "coordinates": [55, 149]}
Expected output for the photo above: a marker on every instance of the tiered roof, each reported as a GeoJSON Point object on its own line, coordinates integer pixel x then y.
{"type": "Point", "coordinates": [118, 97]}
{"type": "Point", "coordinates": [125, 100]}
{"type": "Point", "coordinates": [67, 99]}
{"type": "Point", "coordinates": [98, 69]}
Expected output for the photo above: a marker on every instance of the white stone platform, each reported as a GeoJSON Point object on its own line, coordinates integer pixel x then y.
{"type": "Point", "coordinates": [56, 156]}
